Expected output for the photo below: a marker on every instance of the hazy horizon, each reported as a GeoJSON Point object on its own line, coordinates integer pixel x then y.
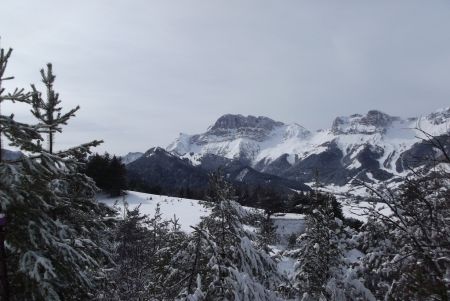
{"type": "Point", "coordinates": [144, 71]}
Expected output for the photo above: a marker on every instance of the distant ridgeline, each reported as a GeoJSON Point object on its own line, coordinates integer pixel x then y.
{"type": "Point", "coordinates": [260, 152]}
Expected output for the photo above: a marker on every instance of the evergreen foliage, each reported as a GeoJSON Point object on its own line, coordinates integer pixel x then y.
{"type": "Point", "coordinates": [109, 173]}
{"type": "Point", "coordinates": [220, 260]}
{"type": "Point", "coordinates": [323, 272]}
{"type": "Point", "coordinates": [47, 110]}
{"type": "Point", "coordinates": [267, 234]}
{"type": "Point", "coordinates": [143, 247]}
{"type": "Point", "coordinates": [55, 230]}
{"type": "Point", "coordinates": [319, 253]}
{"type": "Point", "coordinates": [408, 251]}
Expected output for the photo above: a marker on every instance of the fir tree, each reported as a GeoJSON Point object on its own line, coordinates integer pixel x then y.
{"type": "Point", "coordinates": [267, 234]}
{"type": "Point", "coordinates": [220, 260]}
{"type": "Point", "coordinates": [408, 250]}
{"type": "Point", "coordinates": [48, 110]}
{"type": "Point", "coordinates": [17, 133]}
{"type": "Point", "coordinates": [408, 246]}
{"type": "Point", "coordinates": [143, 248]}
{"type": "Point", "coordinates": [319, 251]}
{"type": "Point", "coordinates": [23, 134]}
{"type": "Point", "coordinates": [132, 250]}
{"type": "Point", "coordinates": [56, 228]}
{"type": "Point", "coordinates": [118, 180]}
{"type": "Point", "coordinates": [109, 173]}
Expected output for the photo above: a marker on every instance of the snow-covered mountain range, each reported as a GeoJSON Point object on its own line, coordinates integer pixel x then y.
{"type": "Point", "coordinates": [374, 147]}
{"type": "Point", "coordinates": [376, 144]}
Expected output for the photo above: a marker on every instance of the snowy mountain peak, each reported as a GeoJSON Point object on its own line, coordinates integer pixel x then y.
{"type": "Point", "coordinates": [231, 121]}
{"type": "Point", "coordinates": [439, 116]}
{"type": "Point", "coordinates": [229, 127]}
{"type": "Point", "coordinates": [295, 130]}
{"type": "Point", "coordinates": [181, 145]}
{"type": "Point", "coordinates": [371, 123]}
{"type": "Point", "coordinates": [436, 123]}
{"type": "Point", "coordinates": [237, 137]}
{"type": "Point", "coordinates": [374, 146]}
{"type": "Point", "coordinates": [156, 150]}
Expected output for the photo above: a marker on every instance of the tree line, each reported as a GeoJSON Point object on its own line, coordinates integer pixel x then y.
{"type": "Point", "coordinates": [108, 172]}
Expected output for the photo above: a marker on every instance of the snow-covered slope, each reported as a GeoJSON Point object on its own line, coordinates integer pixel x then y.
{"type": "Point", "coordinates": [131, 157]}
{"type": "Point", "coordinates": [287, 224]}
{"type": "Point", "coordinates": [375, 144]}
{"type": "Point", "coordinates": [187, 211]}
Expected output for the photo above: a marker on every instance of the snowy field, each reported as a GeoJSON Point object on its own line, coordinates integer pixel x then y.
{"type": "Point", "coordinates": [187, 211]}
{"type": "Point", "coordinates": [288, 224]}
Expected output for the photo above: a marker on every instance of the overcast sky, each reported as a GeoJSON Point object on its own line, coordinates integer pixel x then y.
{"type": "Point", "coordinates": [144, 71]}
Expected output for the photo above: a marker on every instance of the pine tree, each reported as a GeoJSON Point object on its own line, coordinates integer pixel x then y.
{"type": "Point", "coordinates": [109, 173]}
{"type": "Point", "coordinates": [97, 169]}
{"type": "Point", "coordinates": [220, 260]}
{"type": "Point", "coordinates": [48, 110]}
{"type": "Point", "coordinates": [271, 202]}
{"type": "Point", "coordinates": [319, 251]}
{"type": "Point", "coordinates": [408, 246]}
{"type": "Point", "coordinates": [117, 172]}
{"type": "Point", "coordinates": [132, 250]}
{"type": "Point", "coordinates": [55, 227]}
{"type": "Point", "coordinates": [143, 248]}
{"type": "Point", "coordinates": [17, 133]}
{"type": "Point", "coordinates": [408, 250]}
{"type": "Point", "coordinates": [267, 234]}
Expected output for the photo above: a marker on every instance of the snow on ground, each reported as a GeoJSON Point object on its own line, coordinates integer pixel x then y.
{"type": "Point", "coordinates": [359, 210]}
{"type": "Point", "coordinates": [348, 196]}
{"type": "Point", "coordinates": [188, 211]}
{"type": "Point", "coordinates": [288, 224]}
{"type": "Point", "coordinates": [286, 266]}
{"type": "Point", "coordinates": [354, 255]}
{"type": "Point", "coordinates": [240, 177]}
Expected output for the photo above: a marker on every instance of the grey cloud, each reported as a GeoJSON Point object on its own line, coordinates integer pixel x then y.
{"type": "Point", "coordinates": [143, 71]}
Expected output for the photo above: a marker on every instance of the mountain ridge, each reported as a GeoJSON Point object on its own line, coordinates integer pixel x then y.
{"type": "Point", "coordinates": [372, 147]}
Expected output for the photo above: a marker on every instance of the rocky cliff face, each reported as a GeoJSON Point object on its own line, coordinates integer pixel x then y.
{"type": "Point", "coordinates": [371, 123]}
{"type": "Point", "coordinates": [240, 122]}
{"type": "Point", "coordinates": [237, 137]}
